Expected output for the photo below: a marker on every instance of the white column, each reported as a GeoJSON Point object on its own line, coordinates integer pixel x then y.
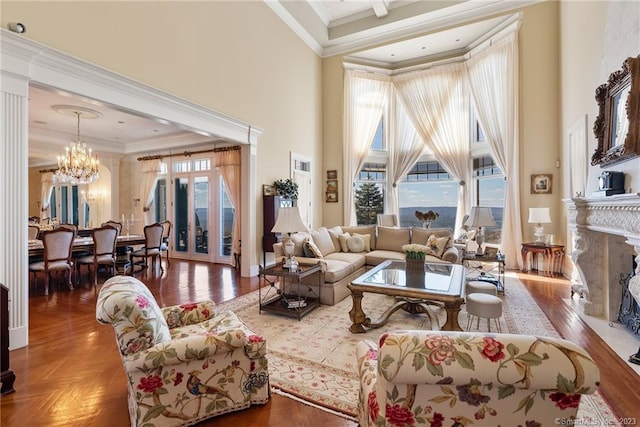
{"type": "Point", "coordinates": [14, 190]}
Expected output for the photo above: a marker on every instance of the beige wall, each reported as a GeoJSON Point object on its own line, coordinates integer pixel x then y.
{"type": "Point", "coordinates": [540, 114]}
{"type": "Point", "coordinates": [238, 58]}
{"type": "Point", "coordinates": [596, 39]}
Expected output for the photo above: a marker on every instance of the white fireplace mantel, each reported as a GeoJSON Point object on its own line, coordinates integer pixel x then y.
{"type": "Point", "coordinates": [606, 230]}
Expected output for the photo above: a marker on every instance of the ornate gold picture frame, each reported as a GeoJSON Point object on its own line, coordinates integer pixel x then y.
{"type": "Point", "coordinates": [617, 127]}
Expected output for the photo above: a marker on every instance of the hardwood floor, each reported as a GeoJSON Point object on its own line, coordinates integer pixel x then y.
{"type": "Point", "coordinates": [70, 374]}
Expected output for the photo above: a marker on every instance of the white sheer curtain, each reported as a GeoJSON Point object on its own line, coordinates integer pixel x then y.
{"type": "Point", "coordinates": [150, 172]}
{"type": "Point", "coordinates": [493, 79]}
{"type": "Point", "coordinates": [46, 181]}
{"type": "Point", "coordinates": [405, 149]}
{"type": "Point", "coordinates": [365, 97]}
{"type": "Point", "coordinates": [228, 163]}
{"type": "Point", "coordinates": [435, 101]}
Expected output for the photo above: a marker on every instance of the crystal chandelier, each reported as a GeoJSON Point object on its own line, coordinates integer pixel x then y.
{"type": "Point", "coordinates": [77, 166]}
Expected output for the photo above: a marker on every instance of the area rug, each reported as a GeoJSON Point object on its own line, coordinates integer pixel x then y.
{"type": "Point", "coordinates": [313, 360]}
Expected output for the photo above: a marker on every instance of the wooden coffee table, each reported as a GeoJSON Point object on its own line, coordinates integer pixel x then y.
{"type": "Point", "coordinates": [443, 286]}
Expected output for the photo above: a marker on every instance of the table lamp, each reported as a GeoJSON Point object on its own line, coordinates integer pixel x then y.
{"type": "Point", "coordinates": [289, 221]}
{"type": "Point", "coordinates": [539, 216]}
{"type": "Point", "coordinates": [480, 217]}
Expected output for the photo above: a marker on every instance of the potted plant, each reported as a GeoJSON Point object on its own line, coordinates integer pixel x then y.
{"type": "Point", "coordinates": [287, 188]}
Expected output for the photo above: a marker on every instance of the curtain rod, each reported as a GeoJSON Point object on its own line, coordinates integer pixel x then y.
{"type": "Point", "coordinates": [188, 153]}
{"type": "Point", "coordinates": [47, 170]}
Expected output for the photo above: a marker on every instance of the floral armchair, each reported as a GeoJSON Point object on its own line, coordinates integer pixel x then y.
{"type": "Point", "coordinates": [184, 363]}
{"type": "Point", "coordinates": [455, 378]}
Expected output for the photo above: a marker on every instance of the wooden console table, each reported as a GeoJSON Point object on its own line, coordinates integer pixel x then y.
{"type": "Point", "coordinates": [552, 257]}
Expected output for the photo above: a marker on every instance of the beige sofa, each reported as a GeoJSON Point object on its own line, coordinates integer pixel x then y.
{"type": "Point", "coordinates": [346, 252]}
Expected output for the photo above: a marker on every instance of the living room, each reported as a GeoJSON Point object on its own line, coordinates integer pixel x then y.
{"type": "Point", "coordinates": [266, 76]}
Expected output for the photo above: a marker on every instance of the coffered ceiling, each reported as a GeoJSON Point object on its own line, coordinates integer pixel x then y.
{"type": "Point", "coordinates": [387, 33]}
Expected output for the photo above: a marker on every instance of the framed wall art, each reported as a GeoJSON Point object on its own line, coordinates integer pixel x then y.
{"type": "Point", "coordinates": [332, 185]}
{"type": "Point", "coordinates": [332, 174]}
{"type": "Point", "coordinates": [331, 197]}
{"type": "Point", "coordinates": [541, 183]}
{"type": "Point", "coordinates": [268, 190]}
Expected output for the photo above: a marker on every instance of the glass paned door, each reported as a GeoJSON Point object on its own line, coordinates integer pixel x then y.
{"type": "Point", "coordinates": [181, 214]}
{"type": "Point", "coordinates": [191, 215]}
{"type": "Point", "coordinates": [201, 214]}
{"type": "Point", "coordinates": [226, 223]}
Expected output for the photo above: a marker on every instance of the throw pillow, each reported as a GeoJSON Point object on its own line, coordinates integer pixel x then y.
{"type": "Point", "coordinates": [306, 248]}
{"type": "Point", "coordinates": [314, 250]}
{"type": "Point", "coordinates": [335, 233]}
{"type": "Point", "coordinates": [437, 244]}
{"type": "Point", "coordinates": [322, 239]}
{"type": "Point", "coordinates": [343, 241]}
{"type": "Point", "coordinates": [356, 244]}
{"type": "Point", "coordinates": [366, 238]}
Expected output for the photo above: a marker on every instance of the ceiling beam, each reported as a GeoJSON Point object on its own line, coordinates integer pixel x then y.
{"type": "Point", "coordinates": [380, 8]}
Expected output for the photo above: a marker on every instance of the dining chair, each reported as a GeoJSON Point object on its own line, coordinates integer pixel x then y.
{"type": "Point", "coordinates": [56, 256]}
{"type": "Point", "coordinates": [34, 230]}
{"type": "Point", "coordinates": [115, 224]}
{"type": "Point", "coordinates": [152, 248]}
{"type": "Point", "coordinates": [104, 251]}
{"type": "Point", "coordinates": [166, 240]}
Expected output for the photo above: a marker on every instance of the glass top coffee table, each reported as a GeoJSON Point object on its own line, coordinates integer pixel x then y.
{"type": "Point", "coordinates": [440, 285]}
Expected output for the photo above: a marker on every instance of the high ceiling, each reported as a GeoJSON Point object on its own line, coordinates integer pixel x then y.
{"type": "Point", "coordinates": [387, 33]}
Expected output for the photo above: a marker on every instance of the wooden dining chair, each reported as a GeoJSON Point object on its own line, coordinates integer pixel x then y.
{"type": "Point", "coordinates": [115, 224]}
{"type": "Point", "coordinates": [34, 230]}
{"type": "Point", "coordinates": [152, 245]}
{"type": "Point", "coordinates": [56, 256]}
{"type": "Point", "coordinates": [104, 251]}
{"type": "Point", "coordinates": [166, 240]}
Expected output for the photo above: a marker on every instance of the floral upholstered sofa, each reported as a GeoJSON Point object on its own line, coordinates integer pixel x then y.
{"type": "Point", "coordinates": [460, 379]}
{"type": "Point", "coordinates": [346, 252]}
{"type": "Point", "coordinates": [183, 363]}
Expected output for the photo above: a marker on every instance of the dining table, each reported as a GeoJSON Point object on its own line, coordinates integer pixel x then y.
{"type": "Point", "coordinates": [85, 244]}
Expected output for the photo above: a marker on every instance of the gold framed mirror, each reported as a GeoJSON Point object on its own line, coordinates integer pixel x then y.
{"type": "Point", "coordinates": [617, 127]}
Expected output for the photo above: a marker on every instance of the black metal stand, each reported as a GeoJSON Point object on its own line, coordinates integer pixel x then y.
{"type": "Point", "coordinates": [635, 358]}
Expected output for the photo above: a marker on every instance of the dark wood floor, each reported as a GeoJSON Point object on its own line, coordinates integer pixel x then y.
{"type": "Point", "coordinates": [71, 374]}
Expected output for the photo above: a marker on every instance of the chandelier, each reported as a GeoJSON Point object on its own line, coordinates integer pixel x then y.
{"type": "Point", "coordinates": [77, 165]}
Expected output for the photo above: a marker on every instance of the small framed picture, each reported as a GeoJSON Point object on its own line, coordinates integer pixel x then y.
{"type": "Point", "coordinates": [541, 183]}
{"type": "Point", "coordinates": [331, 197]}
{"type": "Point", "coordinates": [490, 252]}
{"type": "Point", "coordinates": [332, 185]}
{"type": "Point", "coordinates": [332, 174]}
{"type": "Point", "coordinates": [268, 190]}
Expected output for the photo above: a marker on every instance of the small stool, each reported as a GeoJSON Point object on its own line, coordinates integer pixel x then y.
{"type": "Point", "coordinates": [480, 287]}
{"type": "Point", "coordinates": [483, 306]}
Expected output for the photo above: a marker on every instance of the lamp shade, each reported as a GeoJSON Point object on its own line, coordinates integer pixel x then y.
{"type": "Point", "coordinates": [480, 217]}
{"type": "Point", "coordinates": [288, 221]}
{"type": "Point", "coordinates": [539, 216]}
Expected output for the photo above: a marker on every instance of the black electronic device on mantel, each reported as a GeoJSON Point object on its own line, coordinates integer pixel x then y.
{"type": "Point", "coordinates": [611, 182]}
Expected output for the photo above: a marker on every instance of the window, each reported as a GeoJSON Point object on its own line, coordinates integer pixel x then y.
{"type": "Point", "coordinates": [369, 192]}
{"type": "Point", "coordinates": [379, 139]}
{"type": "Point", "coordinates": [489, 191]}
{"type": "Point", "coordinates": [428, 187]}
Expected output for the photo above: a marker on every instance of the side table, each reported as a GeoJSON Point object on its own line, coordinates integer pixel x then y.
{"type": "Point", "coordinates": [552, 257]}
{"type": "Point", "coordinates": [287, 296]}
{"type": "Point", "coordinates": [476, 263]}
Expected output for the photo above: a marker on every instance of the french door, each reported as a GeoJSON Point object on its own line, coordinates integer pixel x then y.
{"type": "Point", "coordinates": [203, 217]}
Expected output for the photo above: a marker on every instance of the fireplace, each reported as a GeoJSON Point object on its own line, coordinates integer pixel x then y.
{"type": "Point", "coordinates": [629, 313]}
{"type": "Point", "coordinates": [606, 234]}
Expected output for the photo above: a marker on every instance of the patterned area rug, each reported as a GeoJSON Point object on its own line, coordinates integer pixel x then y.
{"type": "Point", "coordinates": [313, 360]}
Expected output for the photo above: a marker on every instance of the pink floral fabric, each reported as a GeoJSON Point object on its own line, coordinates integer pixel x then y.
{"type": "Point", "coordinates": [429, 378]}
{"type": "Point", "coordinates": [184, 363]}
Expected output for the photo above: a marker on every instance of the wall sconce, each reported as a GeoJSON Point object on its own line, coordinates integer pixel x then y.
{"type": "Point", "coordinates": [135, 202]}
